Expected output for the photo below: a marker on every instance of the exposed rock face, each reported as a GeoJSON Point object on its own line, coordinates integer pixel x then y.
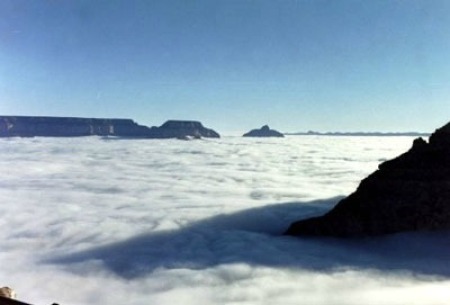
{"type": "Point", "coordinates": [23, 126]}
{"type": "Point", "coordinates": [408, 193]}
{"type": "Point", "coordinates": [7, 292]}
{"type": "Point", "coordinates": [264, 131]}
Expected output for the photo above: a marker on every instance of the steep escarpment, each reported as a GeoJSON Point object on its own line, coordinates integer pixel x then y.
{"type": "Point", "coordinates": [408, 193]}
{"type": "Point", "coordinates": [30, 126]}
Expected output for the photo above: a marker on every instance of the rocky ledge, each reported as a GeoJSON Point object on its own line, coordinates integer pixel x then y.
{"type": "Point", "coordinates": [30, 126]}
{"type": "Point", "coordinates": [264, 131]}
{"type": "Point", "coordinates": [408, 193]}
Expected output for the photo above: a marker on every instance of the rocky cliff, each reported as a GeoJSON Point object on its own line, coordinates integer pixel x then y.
{"type": "Point", "coordinates": [29, 126]}
{"type": "Point", "coordinates": [408, 193]}
{"type": "Point", "coordinates": [264, 131]}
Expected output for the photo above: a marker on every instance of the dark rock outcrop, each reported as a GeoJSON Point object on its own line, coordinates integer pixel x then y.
{"type": "Point", "coordinates": [264, 131]}
{"type": "Point", "coordinates": [408, 193]}
{"type": "Point", "coordinates": [29, 126]}
{"type": "Point", "coordinates": [182, 130]}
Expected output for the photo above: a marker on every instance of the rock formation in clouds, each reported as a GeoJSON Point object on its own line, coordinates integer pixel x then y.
{"type": "Point", "coordinates": [182, 130]}
{"type": "Point", "coordinates": [264, 131]}
{"type": "Point", "coordinates": [28, 126]}
{"type": "Point", "coordinates": [408, 193]}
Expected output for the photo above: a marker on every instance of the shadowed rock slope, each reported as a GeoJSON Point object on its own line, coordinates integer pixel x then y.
{"type": "Point", "coordinates": [408, 193]}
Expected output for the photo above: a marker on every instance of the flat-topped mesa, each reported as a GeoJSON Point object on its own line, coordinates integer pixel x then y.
{"type": "Point", "coordinates": [408, 193]}
{"type": "Point", "coordinates": [29, 126]}
{"type": "Point", "coordinates": [264, 131]}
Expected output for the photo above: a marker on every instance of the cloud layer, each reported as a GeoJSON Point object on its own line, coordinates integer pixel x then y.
{"type": "Point", "coordinates": [104, 221]}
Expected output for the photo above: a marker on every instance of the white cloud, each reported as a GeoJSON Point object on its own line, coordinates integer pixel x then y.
{"type": "Point", "coordinates": [156, 222]}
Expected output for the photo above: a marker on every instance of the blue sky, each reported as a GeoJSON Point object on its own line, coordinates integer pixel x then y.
{"type": "Point", "coordinates": [232, 64]}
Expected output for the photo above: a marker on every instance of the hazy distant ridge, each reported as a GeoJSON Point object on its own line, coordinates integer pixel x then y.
{"type": "Point", "coordinates": [360, 133]}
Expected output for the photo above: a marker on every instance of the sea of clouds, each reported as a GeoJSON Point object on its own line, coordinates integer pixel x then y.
{"type": "Point", "coordinates": [108, 221]}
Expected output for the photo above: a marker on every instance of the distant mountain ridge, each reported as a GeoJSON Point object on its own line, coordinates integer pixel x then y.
{"type": "Point", "coordinates": [360, 133]}
{"type": "Point", "coordinates": [35, 126]}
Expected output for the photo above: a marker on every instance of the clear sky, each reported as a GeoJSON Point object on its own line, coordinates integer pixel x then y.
{"type": "Point", "coordinates": [324, 65]}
